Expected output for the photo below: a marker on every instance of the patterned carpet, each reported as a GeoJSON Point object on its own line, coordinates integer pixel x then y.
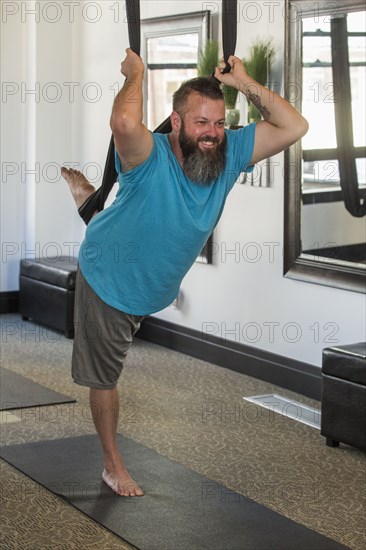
{"type": "Point", "coordinates": [190, 411]}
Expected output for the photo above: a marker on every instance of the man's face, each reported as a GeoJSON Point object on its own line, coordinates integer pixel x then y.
{"type": "Point", "coordinates": [202, 138]}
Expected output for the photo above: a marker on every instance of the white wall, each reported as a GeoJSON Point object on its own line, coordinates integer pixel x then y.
{"type": "Point", "coordinates": [243, 295]}
{"type": "Point", "coordinates": [38, 215]}
{"type": "Point", "coordinates": [12, 150]}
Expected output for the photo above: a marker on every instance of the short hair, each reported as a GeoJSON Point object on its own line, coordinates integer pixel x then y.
{"type": "Point", "coordinates": [206, 86]}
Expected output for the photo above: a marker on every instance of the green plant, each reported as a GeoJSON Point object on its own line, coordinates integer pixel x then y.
{"type": "Point", "coordinates": [208, 58]}
{"type": "Point", "coordinates": [207, 62]}
{"type": "Point", "coordinates": [230, 96]}
{"type": "Point", "coordinates": [258, 65]}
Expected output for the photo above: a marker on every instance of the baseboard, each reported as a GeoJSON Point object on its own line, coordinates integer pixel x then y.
{"type": "Point", "coordinates": [9, 302]}
{"type": "Point", "coordinates": [296, 376]}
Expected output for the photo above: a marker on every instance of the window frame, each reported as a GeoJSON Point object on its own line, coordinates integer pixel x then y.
{"type": "Point", "coordinates": [185, 23]}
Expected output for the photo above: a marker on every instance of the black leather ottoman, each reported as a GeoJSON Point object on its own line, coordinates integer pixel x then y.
{"type": "Point", "coordinates": [343, 404]}
{"type": "Point", "coordinates": [47, 290]}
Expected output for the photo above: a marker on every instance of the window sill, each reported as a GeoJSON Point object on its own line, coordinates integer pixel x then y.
{"type": "Point", "coordinates": [313, 194]}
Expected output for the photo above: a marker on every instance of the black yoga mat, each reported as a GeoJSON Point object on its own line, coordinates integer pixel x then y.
{"type": "Point", "coordinates": [181, 509]}
{"type": "Point", "coordinates": [18, 392]}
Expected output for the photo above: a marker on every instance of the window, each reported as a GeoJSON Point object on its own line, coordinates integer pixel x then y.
{"type": "Point", "coordinates": [170, 49]}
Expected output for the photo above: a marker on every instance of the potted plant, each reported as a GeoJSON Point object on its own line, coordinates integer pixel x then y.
{"type": "Point", "coordinates": [208, 58]}
{"type": "Point", "coordinates": [258, 66]}
{"type": "Point", "coordinates": [232, 115]}
{"type": "Point", "coordinates": [207, 62]}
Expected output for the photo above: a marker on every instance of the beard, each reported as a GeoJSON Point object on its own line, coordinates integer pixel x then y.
{"type": "Point", "coordinates": [202, 167]}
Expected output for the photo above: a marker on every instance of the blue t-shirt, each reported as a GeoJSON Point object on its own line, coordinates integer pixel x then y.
{"type": "Point", "coordinates": [137, 251]}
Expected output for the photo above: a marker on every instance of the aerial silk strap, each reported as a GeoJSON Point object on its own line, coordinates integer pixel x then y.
{"type": "Point", "coordinates": [96, 201]}
{"type": "Point", "coordinates": [343, 116]}
{"type": "Point", "coordinates": [229, 18]}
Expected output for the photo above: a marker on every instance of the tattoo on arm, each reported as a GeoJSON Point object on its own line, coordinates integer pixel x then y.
{"type": "Point", "coordinates": [256, 100]}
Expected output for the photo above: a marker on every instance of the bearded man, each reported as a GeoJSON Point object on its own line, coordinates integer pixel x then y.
{"type": "Point", "coordinates": [172, 191]}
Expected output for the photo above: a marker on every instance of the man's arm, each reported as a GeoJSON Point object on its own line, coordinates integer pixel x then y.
{"type": "Point", "coordinates": [282, 125]}
{"type": "Point", "coordinates": [133, 141]}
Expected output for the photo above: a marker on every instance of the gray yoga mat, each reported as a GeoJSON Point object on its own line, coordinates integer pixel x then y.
{"type": "Point", "coordinates": [18, 392]}
{"type": "Point", "coordinates": [181, 509]}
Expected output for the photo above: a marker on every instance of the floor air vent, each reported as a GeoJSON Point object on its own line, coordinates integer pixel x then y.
{"type": "Point", "coordinates": [288, 407]}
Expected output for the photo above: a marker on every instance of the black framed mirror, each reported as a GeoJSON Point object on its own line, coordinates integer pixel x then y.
{"type": "Point", "coordinates": [325, 187]}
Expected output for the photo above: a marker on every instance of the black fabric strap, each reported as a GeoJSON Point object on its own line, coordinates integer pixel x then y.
{"type": "Point", "coordinates": [134, 27]}
{"type": "Point", "coordinates": [97, 200]}
{"type": "Point", "coordinates": [343, 118]}
{"type": "Point", "coordinates": [229, 18]}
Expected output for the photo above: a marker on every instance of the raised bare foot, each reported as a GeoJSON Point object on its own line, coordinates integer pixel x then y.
{"type": "Point", "coordinates": [122, 483]}
{"type": "Point", "coordinates": [80, 187]}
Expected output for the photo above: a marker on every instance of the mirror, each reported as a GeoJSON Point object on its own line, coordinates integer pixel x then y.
{"type": "Point", "coordinates": [325, 181]}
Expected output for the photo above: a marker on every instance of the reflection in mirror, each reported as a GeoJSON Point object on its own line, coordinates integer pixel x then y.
{"type": "Point", "coordinates": [325, 185]}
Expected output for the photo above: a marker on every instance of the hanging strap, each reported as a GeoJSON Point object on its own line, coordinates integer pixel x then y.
{"type": "Point", "coordinates": [97, 199]}
{"type": "Point", "coordinates": [229, 11]}
{"type": "Point", "coordinates": [343, 116]}
{"type": "Point", "coordinates": [134, 27]}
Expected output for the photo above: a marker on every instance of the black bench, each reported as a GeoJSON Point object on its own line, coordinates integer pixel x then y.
{"type": "Point", "coordinates": [47, 291]}
{"type": "Point", "coordinates": [343, 403]}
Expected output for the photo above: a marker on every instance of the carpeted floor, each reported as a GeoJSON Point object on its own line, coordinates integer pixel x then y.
{"type": "Point", "coordinates": [192, 412]}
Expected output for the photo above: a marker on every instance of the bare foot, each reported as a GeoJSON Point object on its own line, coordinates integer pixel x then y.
{"type": "Point", "coordinates": [122, 483]}
{"type": "Point", "coordinates": [80, 187]}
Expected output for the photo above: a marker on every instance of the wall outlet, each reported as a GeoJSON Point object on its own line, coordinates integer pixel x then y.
{"type": "Point", "coordinates": [177, 302]}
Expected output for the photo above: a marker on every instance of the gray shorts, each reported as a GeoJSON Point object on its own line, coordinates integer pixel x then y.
{"type": "Point", "coordinates": [103, 336]}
